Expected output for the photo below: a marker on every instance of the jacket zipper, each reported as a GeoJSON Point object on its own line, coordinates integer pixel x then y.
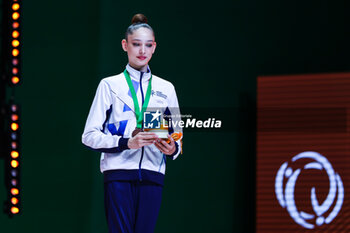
{"type": "Point", "coordinates": [142, 149]}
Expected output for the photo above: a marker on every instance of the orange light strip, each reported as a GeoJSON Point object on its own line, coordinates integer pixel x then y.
{"type": "Point", "coordinates": [14, 79]}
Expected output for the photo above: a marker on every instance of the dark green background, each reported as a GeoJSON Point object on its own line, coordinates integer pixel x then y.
{"type": "Point", "coordinates": [211, 51]}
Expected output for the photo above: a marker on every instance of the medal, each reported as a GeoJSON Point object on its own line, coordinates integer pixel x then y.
{"type": "Point", "coordinates": [136, 131]}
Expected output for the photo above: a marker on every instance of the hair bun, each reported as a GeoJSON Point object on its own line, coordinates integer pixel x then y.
{"type": "Point", "coordinates": [139, 18]}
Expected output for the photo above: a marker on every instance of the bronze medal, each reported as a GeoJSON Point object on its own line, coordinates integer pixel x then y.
{"type": "Point", "coordinates": [136, 131]}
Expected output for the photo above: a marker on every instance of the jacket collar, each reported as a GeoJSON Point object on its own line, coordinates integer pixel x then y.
{"type": "Point", "coordinates": [136, 74]}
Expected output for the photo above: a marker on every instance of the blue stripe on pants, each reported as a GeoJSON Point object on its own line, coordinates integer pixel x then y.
{"type": "Point", "coordinates": [132, 206]}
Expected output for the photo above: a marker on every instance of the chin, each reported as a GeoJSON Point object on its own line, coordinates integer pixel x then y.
{"type": "Point", "coordinates": [142, 64]}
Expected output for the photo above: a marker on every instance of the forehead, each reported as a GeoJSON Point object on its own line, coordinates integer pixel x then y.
{"type": "Point", "coordinates": [143, 34]}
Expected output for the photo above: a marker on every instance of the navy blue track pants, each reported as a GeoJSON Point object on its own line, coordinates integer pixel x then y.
{"type": "Point", "coordinates": [132, 206]}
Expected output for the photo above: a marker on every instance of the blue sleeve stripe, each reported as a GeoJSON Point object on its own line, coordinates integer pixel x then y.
{"type": "Point", "coordinates": [123, 145]}
{"type": "Point", "coordinates": [106, 150]}
{"type": "Point", "coordinates": [168, 118]}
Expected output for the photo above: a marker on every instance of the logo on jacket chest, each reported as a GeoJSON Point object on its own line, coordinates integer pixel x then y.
{"type": "Point", "coordinates": [159, 93]}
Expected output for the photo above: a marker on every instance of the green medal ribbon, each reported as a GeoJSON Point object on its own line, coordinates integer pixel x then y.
{"type": "Point", "coordinates": [138, 113]}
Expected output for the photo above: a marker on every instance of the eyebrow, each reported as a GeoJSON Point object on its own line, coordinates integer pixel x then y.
{"type": "Point", "coordinates": [141, 40]}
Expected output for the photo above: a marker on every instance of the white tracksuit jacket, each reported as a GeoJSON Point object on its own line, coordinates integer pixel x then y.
{"type": "Point", "coordinates": [112, 119]}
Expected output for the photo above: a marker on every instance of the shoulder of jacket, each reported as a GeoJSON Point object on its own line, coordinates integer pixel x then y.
{"type": "Point", "coordinates": [115, 82]}
{"type": "Point", "coordinates": [160, 81]}
{"type": "Point", "coordinates": [113, 78]}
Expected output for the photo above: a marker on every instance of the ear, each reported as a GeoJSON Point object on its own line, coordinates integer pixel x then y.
{"type": "Point", "coordinates": [154, 46]}
{"type": "Point", "coordinates": [125, 45]}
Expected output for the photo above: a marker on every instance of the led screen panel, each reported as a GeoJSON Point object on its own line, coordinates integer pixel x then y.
{"type": "Point", "coordinates": [303, 159]}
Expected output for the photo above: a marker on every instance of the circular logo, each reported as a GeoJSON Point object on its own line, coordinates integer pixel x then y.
{"type": "Point", "coordinates": [286, 198]}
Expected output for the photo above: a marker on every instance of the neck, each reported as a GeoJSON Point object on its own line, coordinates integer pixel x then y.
{"type": "Point", "coordinates": [141, 69]}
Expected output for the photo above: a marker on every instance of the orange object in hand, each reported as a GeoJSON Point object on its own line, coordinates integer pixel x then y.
{"type": "Point", "coordinates": [175, 136]}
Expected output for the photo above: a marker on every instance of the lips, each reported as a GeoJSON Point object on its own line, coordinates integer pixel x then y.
{"type": "Point", "coordinates": [141, 57]}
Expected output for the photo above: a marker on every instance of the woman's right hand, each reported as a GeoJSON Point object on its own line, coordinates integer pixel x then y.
{"type": "Point", "coordinates": [142, 139]}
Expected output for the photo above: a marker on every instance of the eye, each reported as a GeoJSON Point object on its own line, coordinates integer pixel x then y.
{"type": "Point", "coordinates": [149, 45]}
{"type": "Point", "coordinates": [136, 44]}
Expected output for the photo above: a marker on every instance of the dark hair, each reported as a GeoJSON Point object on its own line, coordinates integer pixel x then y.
{"type": "Point", "coordinates": [137, 21]}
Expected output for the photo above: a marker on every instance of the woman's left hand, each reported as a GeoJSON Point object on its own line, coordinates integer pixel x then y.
{"type": "Point", "coordinates": [164, 147]}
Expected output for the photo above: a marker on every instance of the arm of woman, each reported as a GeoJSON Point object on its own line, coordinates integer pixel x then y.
{"type": "Point", "coordinates": [93, 135]}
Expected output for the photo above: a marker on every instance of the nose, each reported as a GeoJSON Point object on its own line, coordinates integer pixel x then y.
{"type": "Point", "coordinates": [142, 49]}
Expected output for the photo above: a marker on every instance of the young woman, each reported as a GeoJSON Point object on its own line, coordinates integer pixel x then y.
{"type": "Point", "coordinates": [132, 160]}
